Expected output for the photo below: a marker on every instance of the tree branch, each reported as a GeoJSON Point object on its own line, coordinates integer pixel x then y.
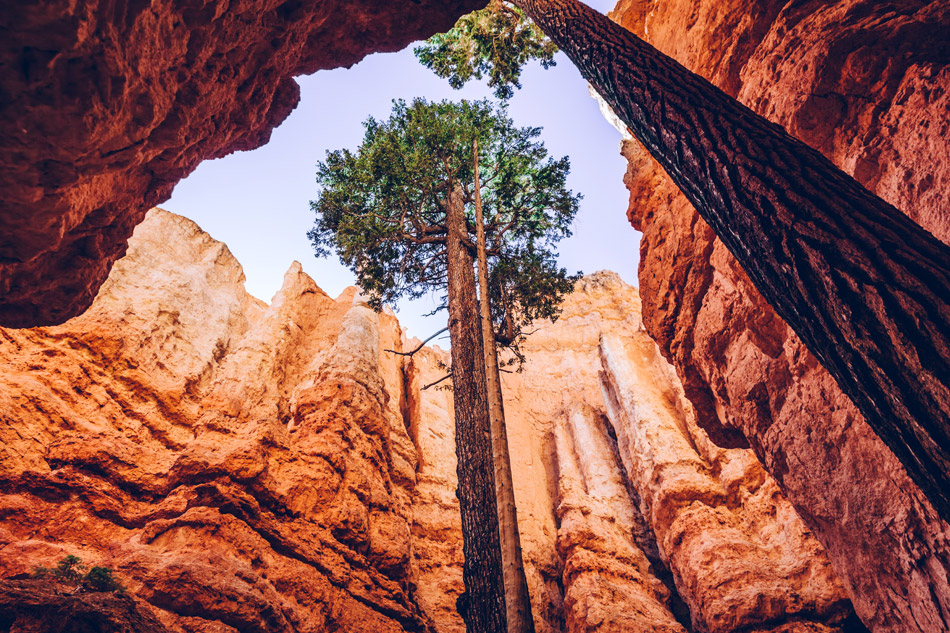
{"type": "Point", "coordinates": [433, 384]}
{"type": "Point", "coordinates": [420, 346]}
{"type": "Point", "coordinates": [422, 269]}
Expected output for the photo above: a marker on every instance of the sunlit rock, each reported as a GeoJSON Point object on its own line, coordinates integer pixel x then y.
{"type": "Point", "coordinates": [273, 467]}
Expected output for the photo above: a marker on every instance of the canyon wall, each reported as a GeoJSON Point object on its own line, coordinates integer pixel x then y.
{"type": "Point", "coordinates": [105, 106]}
{"type": "Point", "coordinates": [868, 84]}
{"type": "Point", "coordinates": [246, 466]}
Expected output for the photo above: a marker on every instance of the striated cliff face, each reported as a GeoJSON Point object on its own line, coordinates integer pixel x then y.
{"type": "Point", "coordinates": [245, 466]}
{"type": "Point", "coordinates": [741, 557]}
{"type": "Point", "coordinates": [255, 467]}
{"type": "Point", "coordinates": [107, 105]}
{"type": "Point", "coordinates": [868, 84]}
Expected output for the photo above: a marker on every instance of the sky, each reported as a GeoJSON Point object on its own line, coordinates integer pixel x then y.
{"type": "Point", "coordinates": [257, 202]}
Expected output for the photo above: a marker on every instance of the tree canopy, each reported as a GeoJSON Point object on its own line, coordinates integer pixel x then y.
{"type": "Point", "coordinates": [382, 207]}
{"type": "Point", "coordinates": [496, 41]}
{"type": "Point", "coordinates": [402, 213]}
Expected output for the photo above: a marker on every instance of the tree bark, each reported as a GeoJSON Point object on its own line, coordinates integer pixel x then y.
{"type": "Point", "coordinates": [865, 288]}
{"type": "Point", "coordinates": [517, 599]}
{"type": "Point", "coordinates": [482, 606]}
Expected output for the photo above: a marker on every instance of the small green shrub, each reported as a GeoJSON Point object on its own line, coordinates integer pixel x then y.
{"type": "Point", "coordinates": [70, 570]}
{"type": "Point", "coordinates": [100, 579]}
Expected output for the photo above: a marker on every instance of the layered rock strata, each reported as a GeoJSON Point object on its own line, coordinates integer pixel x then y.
{"type": "Point", "coordinates": [867, 84]}
{"type": "Point", "coordinates": [107, 105]}
{"type": "Point", "coordinates": [609, 584]}
{"type": "Point", "coordinates": [569, 352]}
{"type": "Point", "coordinates": [740, 556]}
{"type": "Point", "coordinates": [254, 467]}
{"type": "Point", "coordinates": [242, 466]}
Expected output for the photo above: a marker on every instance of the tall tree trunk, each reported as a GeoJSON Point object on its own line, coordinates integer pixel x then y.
{"type": "Point", "coordinates": [517, 599]}
{"type": "Point", "coordinates": [866, 289]}
{"type": "Point", "coordinates": [483, 604]}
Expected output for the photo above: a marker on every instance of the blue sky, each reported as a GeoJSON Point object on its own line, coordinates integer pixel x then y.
{"type": "Point", "coordinates": [258, 202]}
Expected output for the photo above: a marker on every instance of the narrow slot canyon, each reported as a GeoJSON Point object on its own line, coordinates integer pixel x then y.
{"type": "Point", "coordinates": [681, 462]}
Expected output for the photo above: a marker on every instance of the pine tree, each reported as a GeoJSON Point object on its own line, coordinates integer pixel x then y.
{"type": "Point", "coordinates": [400, 212]}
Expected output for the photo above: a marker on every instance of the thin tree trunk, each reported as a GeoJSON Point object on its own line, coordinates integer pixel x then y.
{"type": "Point", "coordinates": [483, 604]}
{"type": "Point", "coordinates": [866, 289]}
{"type": "Point", "coordinates": [517, 599]}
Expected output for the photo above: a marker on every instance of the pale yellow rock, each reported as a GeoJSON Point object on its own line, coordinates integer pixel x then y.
{"type": "Point", "coordinates": [740, 555]}
{"type": "Point", "coordinates": [608, 581]}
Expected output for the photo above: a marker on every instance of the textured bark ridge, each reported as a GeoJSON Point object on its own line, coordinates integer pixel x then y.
{"type": "Point", "coordinates": [483, 604]}
{"type": "Point", "coordinates": [868, 85]}
{"type": "Point", "coordinates": [105, 106]}
{"type": "Point", "coordinates": [517, 600]}
{"type": "Point", "coordinates": [270, 468]}
{"type": "Point", "coordinates": [866, 288]}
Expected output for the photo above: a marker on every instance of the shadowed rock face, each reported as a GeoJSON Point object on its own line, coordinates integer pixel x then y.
{"type": "Point", "coordinates": [868, 84]}
{"type": "Point", "coordinates": [41, 606]}
{"type": "Point", "coordinates": [106, 105]}
{"type": "Point", "coordinates": [271, 468]}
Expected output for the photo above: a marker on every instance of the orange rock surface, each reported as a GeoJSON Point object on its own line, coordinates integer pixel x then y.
{"type": "Point", "coordinates": [107, 105]}
{"type": "Point", "coordinates": [243, 467]}
{"type": "Point", "coordinates": [270, 467]}
{"type": "Point", "coordinates": [739, 557]}
{"type": "Point", "coordinates": [868, 84]}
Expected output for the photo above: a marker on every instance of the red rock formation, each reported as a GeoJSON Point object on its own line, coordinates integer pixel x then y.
{"type": "Point", "coordinates": [254, 467]}
{"type": "Point", "coordinates": [242, 466]}
{"type": "Point", "coordinates": [731, 579]}
{"type": "Point", "coordinates": [868, 84]}
{"type": "Point", "coordinates": [436, 520]}
{"type": "Point", "coordinates": [107, 105]}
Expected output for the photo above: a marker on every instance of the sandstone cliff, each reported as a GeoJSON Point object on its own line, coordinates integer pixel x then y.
{"type": "Point", "coordinates": [270, 467]}
{"type": "Point", "coordinates": [240, 464]}
{"type": "Point", "coordinates": [868, 84]}
{"type": "Point", "coordinates": [107, 105]}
